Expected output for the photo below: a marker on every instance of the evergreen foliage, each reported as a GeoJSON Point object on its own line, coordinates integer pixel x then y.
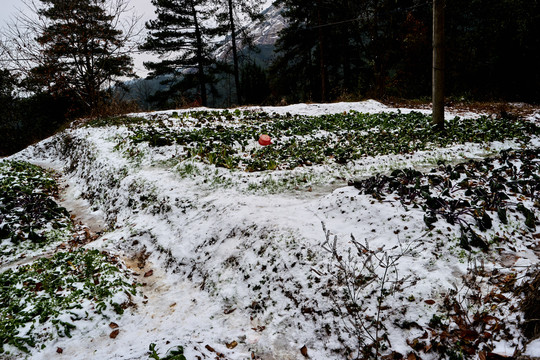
{"type": "Point", "coordinates": [7, 86]}
{"type": "Point", "coordinates": [7, 93]}
{"type": "Point", "coordinates": [378, 48]}
{"type": "Point", "coordinates": [82, 51]}
{"type": "Point", "coordinates": [182, 37]}
{"type": "Point", "coordinates": [26, 119]}
{"type": "Point", "coordinates": [493, 49]}
{"type": "Point", "coordinates": [254, 83]}
{"type": "Point", "coordinates": [338, 47]}
{"type": "Point", "coordinates": [228, 14]}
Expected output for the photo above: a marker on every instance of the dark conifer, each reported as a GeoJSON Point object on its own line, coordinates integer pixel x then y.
{"type": "Point", "coordinates": [82, 50]}
{"type": "Point", "coordinates": [182, 38]}
{"type": "Point", "coordinates": [229, 15]}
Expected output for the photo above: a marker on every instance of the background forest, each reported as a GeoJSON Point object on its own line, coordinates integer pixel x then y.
{"type": "Point", "coordinates": [383, 48]}
{"type": "Point", "coordinates": [326, 50]}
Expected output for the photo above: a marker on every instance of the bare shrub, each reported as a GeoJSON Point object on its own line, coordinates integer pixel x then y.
{"type": "Point", "coordinates": [365, 278]}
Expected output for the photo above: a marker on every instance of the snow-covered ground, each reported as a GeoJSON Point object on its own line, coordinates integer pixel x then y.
{"type": "Point", "coordinates": [231, 263]}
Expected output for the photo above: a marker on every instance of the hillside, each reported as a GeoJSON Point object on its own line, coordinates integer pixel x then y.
{"type": "Point", "coordinates": [357, 231]}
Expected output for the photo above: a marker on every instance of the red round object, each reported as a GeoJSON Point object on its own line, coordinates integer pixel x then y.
{"type": "Point", "coordinates": [264, 140]}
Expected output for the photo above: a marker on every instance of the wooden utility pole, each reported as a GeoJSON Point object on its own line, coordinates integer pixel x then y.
{"type": "Point", "coordinates": [438, 64]}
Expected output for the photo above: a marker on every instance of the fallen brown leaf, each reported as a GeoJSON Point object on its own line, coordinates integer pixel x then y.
{"type": "Point", "coordinates": [149, 273]}
{"type": "Point", "coordinates": [113, 325]}
{"type": "Point", "coordinates": [495, 356]}
{"type": "Point", "coordinates": [231, 345]}
{"type": "Point", "coordinates": [114, 334]}
{"type": "Point", "coordinates": [303, 351]}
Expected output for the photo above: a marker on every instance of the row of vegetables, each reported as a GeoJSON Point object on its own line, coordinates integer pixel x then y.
{"type": "Point", "coordinates": [49, 285]}
{"type": "Point", "coordinates": [227, 139]}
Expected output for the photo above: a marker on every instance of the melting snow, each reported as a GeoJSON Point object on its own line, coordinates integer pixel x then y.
{"type": "Point", "coordinates": [229, 264]}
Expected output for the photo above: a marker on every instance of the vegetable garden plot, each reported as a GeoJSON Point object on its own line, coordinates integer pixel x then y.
{"type": "Point", "coordinates": [30, 219]}
{"type": "Point", "coordinates": [51, 296]}
{"type": "Point", "coordinates": [469, 195]}
{"type": "Point", "coordinates": [229, 140]}
{"type": "Point", "coordinates": [240, 267]}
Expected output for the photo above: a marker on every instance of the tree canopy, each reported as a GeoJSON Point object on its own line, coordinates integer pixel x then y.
{"type": "Point", "coordinates": [81, 50]}
{"type": "Point", "coordinates": [228, 13]}
{"type": "Point", "coordinates": [182, 37]}
{"type": "Point", "coordinates": [379, 48]}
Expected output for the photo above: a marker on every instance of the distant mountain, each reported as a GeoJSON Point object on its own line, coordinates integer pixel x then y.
{"type": "Point", "coordinates": [264, 35]}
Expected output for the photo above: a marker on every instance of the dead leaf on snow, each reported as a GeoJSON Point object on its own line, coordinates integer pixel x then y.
{"type": "Point", "coordinates": [113, 325]}
{"type": "Point", "coordinates": [495, 356]}
{"type": "Point", "coordinates": [303, 351]}
{"type": "Point", "coordinates": [149, 273]}
{"type": "Point", "coordinates": [114, 334]}
{"type": "Point", "coordinates": [211, 349]}
{"type": "Point", "coordinates": [231, 345]}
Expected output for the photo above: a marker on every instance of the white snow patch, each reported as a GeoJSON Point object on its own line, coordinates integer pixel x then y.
{"type": "Point", "coordinates": [233, 265]}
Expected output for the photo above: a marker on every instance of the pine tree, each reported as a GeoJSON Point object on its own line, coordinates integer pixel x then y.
{"type": "Point", "coordinates": [7, 86]}
{"type": "Point", "coordinates": [182, 38]}
{"type": "Point", "coordinates": [228, 16]}
{"type": "Point", "coordinates": [254, 83]}
{"type": "Point", "coordinates": [492, 48]}
{"type": "Point", "coordinates": [333, 48]}
{"type": "Point", "coordinates": [319, 51]}
{"type": "Point", "coordinates": [294, 71]}
{"type": "Point", "coordinates": [81, 50]}
{"type": "Point", "coordinates": [8, 99]}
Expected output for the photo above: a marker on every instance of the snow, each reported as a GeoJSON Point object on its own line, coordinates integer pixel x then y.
{"type": "Point", "coordinates": [533, 348]}
{"type": "Point", "coordinates": [235, 264]}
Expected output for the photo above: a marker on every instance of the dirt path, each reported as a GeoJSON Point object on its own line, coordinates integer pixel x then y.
{"type": "Point", "coordinates": [79, 208]}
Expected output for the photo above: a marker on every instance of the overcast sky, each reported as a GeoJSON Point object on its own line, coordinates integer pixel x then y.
{"type": "Point", "coordinates": [9, 7]}
{"type": "Point", "coordinates": [143, 8]}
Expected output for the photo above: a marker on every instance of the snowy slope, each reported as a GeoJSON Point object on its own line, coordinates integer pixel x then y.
{"type": "Point", "coordinates": [240, 267]}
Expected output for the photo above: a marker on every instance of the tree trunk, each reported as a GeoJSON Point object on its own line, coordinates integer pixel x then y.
{"type": "Point", "coordinates": [200, 58]}
{"type": "Point", "coordinates": [438, 64]}
{"type": "Point", "coordinates": [235, 55]}
{"type": "Point", "coordinates": [378, 52]}
{"type": "Point", "coordinates": [322, 66]}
